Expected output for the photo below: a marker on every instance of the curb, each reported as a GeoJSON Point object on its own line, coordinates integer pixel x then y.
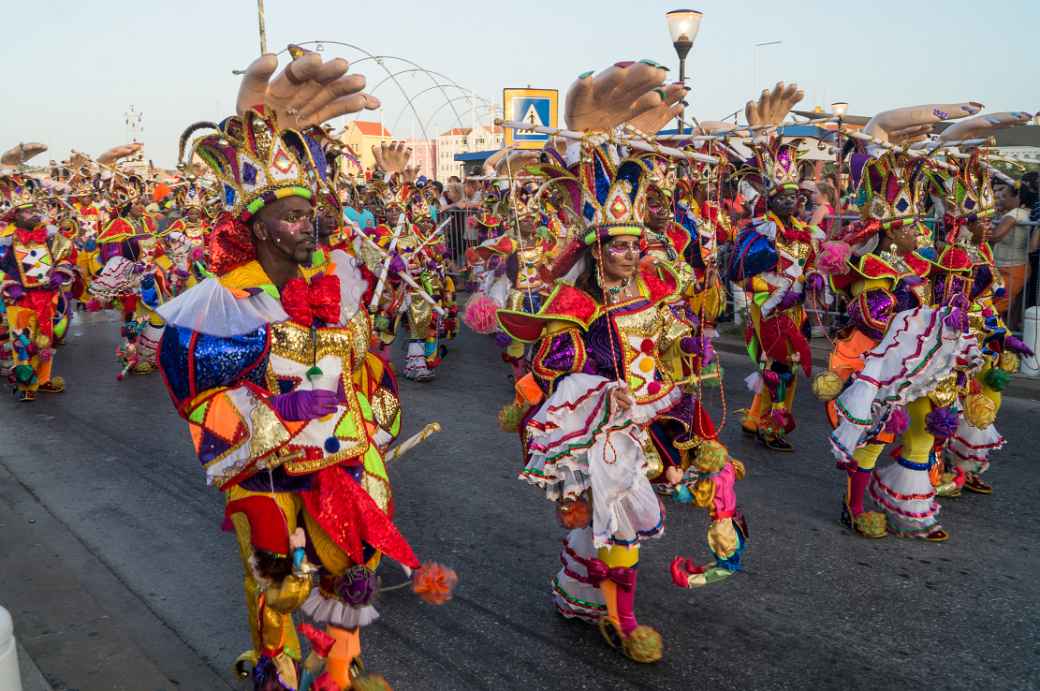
{"type": "Point", "coordinates": [32, 677]}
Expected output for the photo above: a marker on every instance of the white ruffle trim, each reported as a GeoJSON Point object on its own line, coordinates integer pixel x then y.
{"type": "Point", "coordinates": [970, 446]}
{"type": "Point", "coordinates": [579, 441]}
{"type": "Point", "coordinates": [323, 611]}
{"type": "Point", "coordinates": [917, 352]}
{"type": "Point", "coordinates": [212, 309]}
{"type": "Point", "coordinates": [907, 498]}
{"type": "Point", "coordinates": [573, 598]}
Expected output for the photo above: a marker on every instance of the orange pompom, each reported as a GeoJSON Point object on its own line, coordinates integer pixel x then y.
{"type": "Point", "coordinates": [434, 583]}
{"type": "Point", "coordinates": [574, 513]}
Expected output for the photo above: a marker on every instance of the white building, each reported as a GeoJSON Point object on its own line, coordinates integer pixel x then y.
{"type": "Point", "coordinates": [462, 140]}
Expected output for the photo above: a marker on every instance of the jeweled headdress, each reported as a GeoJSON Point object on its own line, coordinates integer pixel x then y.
{"type": "Point", "coordinates": [256, 162]}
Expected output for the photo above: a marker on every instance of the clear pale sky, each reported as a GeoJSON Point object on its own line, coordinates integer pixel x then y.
{"type": "Point", "coordinates": [73, 68]}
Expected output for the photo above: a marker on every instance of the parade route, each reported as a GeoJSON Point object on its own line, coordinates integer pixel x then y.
{"type": "Point", "coordinates": [133, 585]}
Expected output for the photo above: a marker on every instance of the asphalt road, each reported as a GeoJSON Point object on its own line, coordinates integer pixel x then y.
{"type": "Point", "coordinates": [114, 566]}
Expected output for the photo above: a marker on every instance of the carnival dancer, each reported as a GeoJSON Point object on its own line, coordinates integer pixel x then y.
{"type": "Point", "coordinates": [599, 362]}
{"type": "Point", "coordinates": [773, 259]}
{"type": "Point", "coordinates": [968, 200]}
{"type": "Point", "coordinates": [37, 266]}
{"type": "Point", "coordinates": [897, 369]}
{"type": "Point", "coordinates": [882, 265]}
{"type": "Point", "coordinates": [269, 364]}
{"type": "Point", "coordinates": [516, 282]}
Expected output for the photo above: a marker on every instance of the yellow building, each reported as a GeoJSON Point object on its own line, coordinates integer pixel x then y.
{"type": "Point", "coordinates": [361, 136]}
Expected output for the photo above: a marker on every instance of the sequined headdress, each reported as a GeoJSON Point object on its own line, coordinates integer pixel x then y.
{"type": "Point", "coordinates": [777, 163]}
{"type": "Point", "coordinates": [890, 192]}
{"type": "Point", "coordinates": [967, 192]}
{"type": "Point", "coordinates": [256, 162]}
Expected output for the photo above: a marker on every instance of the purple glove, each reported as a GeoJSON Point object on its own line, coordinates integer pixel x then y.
{"type": "Point", "coordinates": [15, 292]}
{"type": "Point", "coordinates": [690, 345]}
{"type": "Point", "coordinates": [397, 265]}
{"type": "Point", "coordinates": [299, 406]}
{"type": "Point", "coordinates": [57, 280]}
{"type": "Point", "coordinates": [790, 299]}
{"type": "Point", "coordinates": [1017, 346]}
{"type": "Point", "coordinates": [138, 268]}
{"type": "Point", "coordinates": [814, 284]}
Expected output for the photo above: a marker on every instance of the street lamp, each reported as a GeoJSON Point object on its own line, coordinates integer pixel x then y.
{"type": "Point", "coordinates": [839, 108]}
{"type": "Point", "coordinates": [683, 26]}
{"type": "Point", "coordinates": [754, 51]}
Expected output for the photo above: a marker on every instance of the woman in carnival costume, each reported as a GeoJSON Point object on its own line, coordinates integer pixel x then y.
{"type": "Point", "coordinates": [268, 361]}
{"type": "Point", "coordinates": [884, 265]}
{"type": "Point", "coordinates": [606, 350]}
{"type": "Point", "coordinates": [908, 382]}
{"type": "Point", "coordinates": [968, 200]}
{"type": "Point", "coordinates": [774, 260]}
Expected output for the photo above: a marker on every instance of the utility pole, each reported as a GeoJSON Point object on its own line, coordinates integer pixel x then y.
{"type": "Point", "coordinates": [263, 29]}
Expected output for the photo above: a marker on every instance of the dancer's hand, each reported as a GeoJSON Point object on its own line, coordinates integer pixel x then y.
{"type": "Point", "coordinates": [119, 152]}
{"type": "Point", "coordinates": [22, 153]}
{"type": "Point", "coordinates": [622, 398]}
{"type": "Point", "coordinates": [674, 475]}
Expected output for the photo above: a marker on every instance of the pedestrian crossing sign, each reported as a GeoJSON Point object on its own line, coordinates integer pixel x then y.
{"type": "Point", "coordinates": [536, 106]}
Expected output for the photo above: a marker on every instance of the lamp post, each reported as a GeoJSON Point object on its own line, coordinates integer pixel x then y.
{"type": "Point", "coordinates": [754, 51]}
{"type": "Point", "coordinates": [838, 110]}
{"type": "Point", "coordinates": [683, 26]}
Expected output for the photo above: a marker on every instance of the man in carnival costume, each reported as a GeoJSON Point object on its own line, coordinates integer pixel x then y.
{"type": "Point", "coordinates": [38, 265]}
{"type": "Point", "coordinates": [268, 361]}
{"type": "Point", "coordinates": [773, 259]}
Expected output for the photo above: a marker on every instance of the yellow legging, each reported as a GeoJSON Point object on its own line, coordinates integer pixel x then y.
{"type": "Point", "coordinates": [615, 556]}
{"type": "Point", "coordinates": [762, 404]}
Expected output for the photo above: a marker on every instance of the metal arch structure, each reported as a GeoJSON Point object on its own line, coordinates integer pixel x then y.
{"type": "Point", "coordinates": [469, 93]}
{"type": "Point", "coordinates": [451, 102]}
{"type": "Point", "coordinates": [391, 75]}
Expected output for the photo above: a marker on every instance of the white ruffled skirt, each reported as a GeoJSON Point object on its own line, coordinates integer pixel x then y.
{"type": "Point", "coordinates": [578, 442]}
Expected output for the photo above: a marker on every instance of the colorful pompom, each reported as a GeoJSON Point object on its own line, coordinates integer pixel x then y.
{"type": "Point", "coordinates": [833, 258]}
{"type": "Point", "coordinates": [434, 583]}
{"type": "Point", "coordinates": [480, 314]}
{"type": "Point", "coordinates": [898, 421]}
{"type": "Point", "coordinates": [827, 385]}
{"type": "Point", "coordinates": [509, 417]}
{"type": "Point", "coordinates": [941, 422]}
{"type": "Point", "coordinates": [997, 379]}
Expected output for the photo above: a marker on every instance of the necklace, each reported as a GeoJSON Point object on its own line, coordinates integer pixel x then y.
{"type": "Point", "coordinates": [614, 292]}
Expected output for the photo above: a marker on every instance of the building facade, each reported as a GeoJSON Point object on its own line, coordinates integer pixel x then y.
{"type": "Point", "coordinates": [361, 136]}
{"type": "Point", "coordinates": [462, 140]}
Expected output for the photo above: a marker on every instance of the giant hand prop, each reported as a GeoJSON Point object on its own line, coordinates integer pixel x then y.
{"type": "Point", "coordinates": [21, 154]}
{"type": "Point", "coordinates": [626, 92]}
{"type": "Point", "coordinates": [118, 152]}
{"type": "Point", "coordinates": [772, 106]}
{"type": "Point", "coordinates": [307, 92]}
{"type": "Point", "coordinates": [904, 126]}
{"type": "Point", "coordinates": [982, 126]}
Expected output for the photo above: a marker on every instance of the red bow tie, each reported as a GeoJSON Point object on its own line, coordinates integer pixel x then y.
{"type": "Point", "coordinates": [318, 300]}
{"type": "Point", "coordinates": [27, 237]}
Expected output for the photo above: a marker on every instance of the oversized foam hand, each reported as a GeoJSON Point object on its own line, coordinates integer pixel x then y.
{"type": "Point", "coordinates": [773, 106]}
{"type": "Point", "coordinates": [392, 157]}
{"type": "Point", "coordinates": [118, 152]}
{"type": "Point", "coordinates": [903, 126]}
{"type": "Point", "coordinates": [632, 92]}
{"type": "Point", "coordinates": [22, 153]}
{"type": "Point", "coordinates": [983, 126]}
{"type": "Point", "coordinates": [307, 92]}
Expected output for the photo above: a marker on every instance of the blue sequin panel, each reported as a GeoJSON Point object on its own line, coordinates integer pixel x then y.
{"type": "Point", "coordinates": [216, 361]}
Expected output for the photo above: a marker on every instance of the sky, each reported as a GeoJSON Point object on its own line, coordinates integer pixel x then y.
{"type": "Point", "coordinates": [74, 68]}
